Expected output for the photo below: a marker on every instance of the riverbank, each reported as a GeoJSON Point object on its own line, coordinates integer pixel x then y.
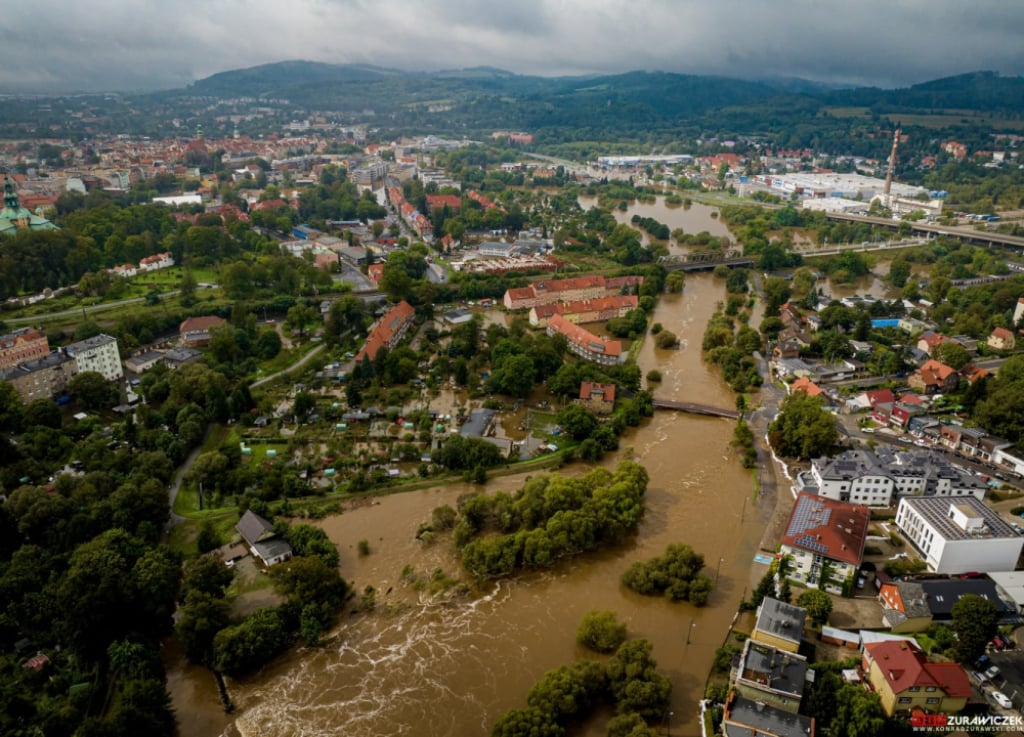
{"type": "Point", "coordinates": [416, 665]}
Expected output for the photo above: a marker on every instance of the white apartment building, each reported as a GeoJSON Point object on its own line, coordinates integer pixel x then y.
{"type": "Point", "coordinates": [98, 354]}
{"type": "Point", "coordinates": [875, 479]}
{"type": "Point", "coordinates": [825, 539]}
{"type": "Point", "coordinates": [958, 535]}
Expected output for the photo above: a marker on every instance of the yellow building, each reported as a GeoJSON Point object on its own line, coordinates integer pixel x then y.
{"type": "Point", "coordinates": [780, 625]}
{"type": "Point", "coordinates": [905, 679]}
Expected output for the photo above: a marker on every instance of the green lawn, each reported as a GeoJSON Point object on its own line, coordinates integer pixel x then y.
{"type": "Point", "coordinates": [183, 536]}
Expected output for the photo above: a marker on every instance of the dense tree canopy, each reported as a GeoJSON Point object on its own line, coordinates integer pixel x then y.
{"type": "Point", "coordinates": [601, 631]}
{"type": "Point", "coordinates": [676, 575]}
{"type": "Point", "coordinates": [548, 518]}
{"type": "Point", "coordinates": [975, 620]}
{"type": "Point", "coordinates": [803, 429]}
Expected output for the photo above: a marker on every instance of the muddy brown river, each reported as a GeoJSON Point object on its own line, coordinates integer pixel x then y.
{"type": "Point", "coordinates": [430, 667]}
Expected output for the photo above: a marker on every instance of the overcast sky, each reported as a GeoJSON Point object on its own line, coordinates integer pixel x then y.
{"type": "Point", "coordinates": [60, 45]}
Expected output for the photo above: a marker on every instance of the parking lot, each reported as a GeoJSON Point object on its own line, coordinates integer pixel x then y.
{"type": "Point", "coordinates": [1010, 680]}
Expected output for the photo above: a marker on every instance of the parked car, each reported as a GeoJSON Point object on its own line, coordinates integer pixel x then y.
{"type": "Point", "coordinates": [992, 672]}
{"type": "Point", "coordinates": [1002, 699]}
{"type": "Point", "coordinates": [980, 677]}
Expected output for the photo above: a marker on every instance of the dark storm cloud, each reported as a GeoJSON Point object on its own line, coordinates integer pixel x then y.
{"type": "Point", "coordinates": [140, 44]}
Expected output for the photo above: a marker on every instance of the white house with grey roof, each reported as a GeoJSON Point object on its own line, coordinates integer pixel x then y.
{"type": "Point", "coordinates": [958, 535]}
{"type": "Point", "coordinates": [875, 479]}
{"type": "Point", "coordinates": [261, 539]}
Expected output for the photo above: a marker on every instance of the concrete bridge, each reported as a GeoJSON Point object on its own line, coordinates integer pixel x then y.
{"type": "Point", "coordinates": [696, 409]}
{"type": "Point", "coordinates": [968, 234]}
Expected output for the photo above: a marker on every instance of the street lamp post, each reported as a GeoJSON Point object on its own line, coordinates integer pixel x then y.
{"type": "Point", "coordinates": [718, 567]}
{"type": "Point", "coordinates": [689, 631]}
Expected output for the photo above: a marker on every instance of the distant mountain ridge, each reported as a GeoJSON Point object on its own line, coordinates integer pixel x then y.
{"type": "Point", "coordinates": [267, 78]}
{"type": "Point", "coordinates": [660, 93]}
{"type": "Point", "coordinates": [983, 90]}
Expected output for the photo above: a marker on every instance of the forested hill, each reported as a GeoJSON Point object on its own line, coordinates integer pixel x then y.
{"type": "Point", "coordinates": [276, 80]}
{"type": "Point", "coordinates": [657, 109]}
{"type": "Point", "coordinates": [981, 91]}
{"type": "Point", "coordinates": [304, 82]}
{"type": "Point", "coordinates": [363, 86]}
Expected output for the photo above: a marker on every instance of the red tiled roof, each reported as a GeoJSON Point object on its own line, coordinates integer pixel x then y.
{"type": "Point", "coordinates": [618, 282]}
{"type": "Point", "coordinates": [269, 205]}
{"type": "Point", "coordinates": [382, 334]}
{"type": "Point", "coordinates": [564, 285]}
{"type": "Point", "coordinates": [935, 372]}
{"type": "Point", "coordinates": [439, 201]}
{"type": "Point", "coordinates": [834, 529]}
{"type": "Point", "coordinates": [881, 396]}
{"type": "Point", "coordinates": [587, 388]}
{"type": "Point", "coordinates": [904, 666]}
{"type": "Point", "coordinates": [200, 324]}
{"type": "Point", "coordinates": [598, 304]}
{"type": "Point", "coordinates": [585, 338]}
{"type": "Point", "coordinates": [517, 293]}
{"type": "Point", "coordinates": [972, 373]}
{"type": "Point", "coordinates": [805, 385]}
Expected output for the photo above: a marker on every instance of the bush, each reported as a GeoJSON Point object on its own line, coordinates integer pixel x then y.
{"type": "Point", "coordinates": [676, 575]}
{"type": "Point", "coordinates": [600, 631]}
{"type": "Point", "coordinates": [817, 603]}
{"type": "Point", "coordinates": [443, 518]}
{"type": "Point", "coordinates": [364, 547]}
{"type": "Point", "coordinates": [653, 375]}
{"type": "Point", "coordinates": [666, 339]}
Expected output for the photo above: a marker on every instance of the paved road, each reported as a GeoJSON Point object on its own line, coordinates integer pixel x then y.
{"type": "Point", "coordinates": [437, 274]}
{"type": "Point", "coordinates": [78, 310]}
{"type": "Point", "coordinates": [771, 397]}
{"type": "Point", "coordinates": [176, 518]}
{"type": "Point", "coordinates": [298, 364]}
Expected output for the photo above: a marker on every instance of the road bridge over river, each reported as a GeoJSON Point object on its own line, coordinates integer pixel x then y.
{"type": "Point", "coordinates": [696, 409]}
{"type": "Point", "coordinates": [705, 261]}
{"type": "Point", "coordinates": [969, 234]}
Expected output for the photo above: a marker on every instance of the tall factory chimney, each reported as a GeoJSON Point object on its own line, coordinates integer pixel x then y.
{"type": "Point", "coordinates": [886, 193]}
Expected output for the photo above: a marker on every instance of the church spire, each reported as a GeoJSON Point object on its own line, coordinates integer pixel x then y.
{"type": "Point", "coordinates": [10, 196]}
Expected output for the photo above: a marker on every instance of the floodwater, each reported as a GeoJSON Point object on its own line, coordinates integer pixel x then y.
{"type": "Point", "coordinates": [693, 219]}
{"type": "Point", "coordinates": [433, 666]}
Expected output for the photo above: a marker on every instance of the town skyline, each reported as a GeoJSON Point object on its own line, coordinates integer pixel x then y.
{"type": "Point", "coordinates": [109, 45]}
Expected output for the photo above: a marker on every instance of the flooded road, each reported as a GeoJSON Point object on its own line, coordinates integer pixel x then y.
{"type": "Point", "coordinates": [433, 666]}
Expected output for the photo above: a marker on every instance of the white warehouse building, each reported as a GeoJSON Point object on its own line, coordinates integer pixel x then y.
{"type": "Point", "coordinates": [958, 535]}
